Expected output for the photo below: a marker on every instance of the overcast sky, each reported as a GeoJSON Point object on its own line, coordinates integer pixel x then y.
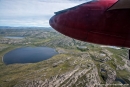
{"type": "Point", "coordinates": [31, 12]}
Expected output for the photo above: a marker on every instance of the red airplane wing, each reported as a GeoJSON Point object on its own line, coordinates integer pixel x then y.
{"type": "Point", "coordinates": [93, 22]}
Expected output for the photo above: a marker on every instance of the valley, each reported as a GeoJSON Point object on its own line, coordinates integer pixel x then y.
{"type": "Point", "coordinates": [78, 64]}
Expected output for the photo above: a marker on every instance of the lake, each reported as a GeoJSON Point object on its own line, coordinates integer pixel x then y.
{"type": "Point", "coordinates": [28, 55]}
{"type": "Point", "coordinates": [11, 37]}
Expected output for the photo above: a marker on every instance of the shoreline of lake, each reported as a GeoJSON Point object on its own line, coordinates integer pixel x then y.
{"type": "Point", "coordinates": [38, 54]}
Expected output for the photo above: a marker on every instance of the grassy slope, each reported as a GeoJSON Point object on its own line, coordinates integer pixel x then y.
{"type": "Point", "coordinates": [12, 74]}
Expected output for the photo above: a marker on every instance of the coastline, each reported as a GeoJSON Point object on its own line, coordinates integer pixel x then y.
{"type": "Point", "coordinates": [2, 59]}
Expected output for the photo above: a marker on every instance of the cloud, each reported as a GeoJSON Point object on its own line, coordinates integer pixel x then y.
{"type": "Point", "coordinates": [25, 11]}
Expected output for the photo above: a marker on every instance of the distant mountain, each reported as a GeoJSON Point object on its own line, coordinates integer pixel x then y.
{"type": "Point", "coordinates": [9, 27]}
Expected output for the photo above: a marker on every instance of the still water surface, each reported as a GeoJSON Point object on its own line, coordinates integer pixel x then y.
{"type": "Point", "coordinates": [28, 55]}
{"type": "Point", "coordinates": [11, 37]}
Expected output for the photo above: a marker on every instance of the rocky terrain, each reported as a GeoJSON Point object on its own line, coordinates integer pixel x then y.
{"type": "Point", "coordinates": [78, 64]}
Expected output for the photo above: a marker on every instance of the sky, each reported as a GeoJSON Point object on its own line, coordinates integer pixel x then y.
{"type": "Point", "coordinates": [28, 13]}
